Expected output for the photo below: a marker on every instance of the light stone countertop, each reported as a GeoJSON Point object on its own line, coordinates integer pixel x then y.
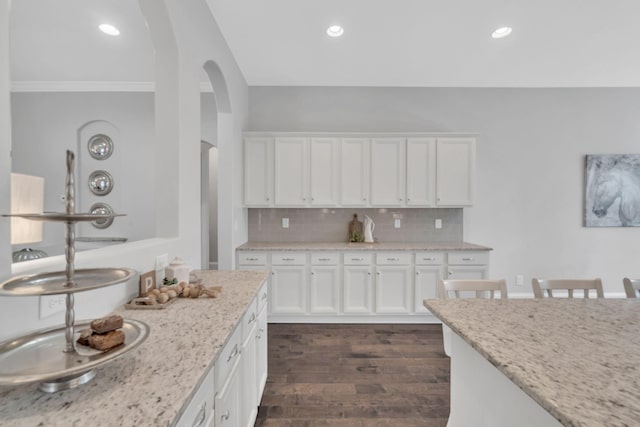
{"type": "Point", "coordinates": [579, 359]}
{"type": "Point", "coordinates": [378, 246]}
{"type": "Point", "coordinates": [149, 385]}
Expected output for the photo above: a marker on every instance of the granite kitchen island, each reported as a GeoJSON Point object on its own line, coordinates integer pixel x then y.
{"type": "Point", "coordinates": [544, 362]}
{"type": "Point", "coordinates": [153, 384]}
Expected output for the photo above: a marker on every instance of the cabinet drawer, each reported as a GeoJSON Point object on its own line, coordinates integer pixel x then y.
{"type": "Point", "coordinates": [228, 358]}
{"type": "Point", "coordinates": [324, 259]}
{"type": "Point", "coordinates": [252, 258]}
{"type": "Point", "coordinates": [393, 258]}
{"type": "Point", "coordinates": [468, 258]}
{"type": "Point", "coordinates": [262, 296]}
{"type": "Point", "coordinates": [288, 258]}
{"type": "Point", "coordinates": [249, 319]}
{"type": "Point", "coordinates": [201, 405]}
{"type": "Point", "coordinates": [429, 258]}
{"type": "Point", "coordinates": [358, 258]}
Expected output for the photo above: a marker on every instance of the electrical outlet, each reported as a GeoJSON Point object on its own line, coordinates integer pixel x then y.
{"type": "Point", "coordinates": [52, 304]}
{"type": "Point", "coordinates": [519, 280]}
{"type": "Point", "coordinates": [396, 223]}
{"type": "Point", "coordinates": [438, 223]}
{"type": "Point", "coordinates": [285, 222]}
{"type": "Point", "coordinates": [162, 261]}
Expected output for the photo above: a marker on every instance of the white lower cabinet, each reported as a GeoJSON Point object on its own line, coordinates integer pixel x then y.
{"type": "Point", "coordinates": [393, 289]}
{"type": "Point", "coordinates": [228, 403]}
{"type": "Point", "coordinates": [308, 286]}
{"type": "Point", "coordinates": [249, 399]}
{"type": "Point", "coordinates": [468, 265]}
{"type": "Point", "coordinates": [324, 284]}
{"type": "Point", "coordinates": [232, 389]}
{"type": "Point", "coordinates": [288, 283]}
{"type": "Point", "coordinates": [358, 289]}
{"type": "Point", "coordinates": [261, 352]}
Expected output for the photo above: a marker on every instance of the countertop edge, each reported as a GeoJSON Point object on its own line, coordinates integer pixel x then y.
{"type": "Point", "coordinates": [346, 246]}
{"type": "Point", "coordinates": [543, 402]}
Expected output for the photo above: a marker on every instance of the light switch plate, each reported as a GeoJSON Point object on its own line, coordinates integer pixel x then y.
{"type": "Point", "coordinates": [285, 222]}
{"type": "Point", "coordinates": [396, 223]}
{"type": "Point", "coordinates": [438, 223]}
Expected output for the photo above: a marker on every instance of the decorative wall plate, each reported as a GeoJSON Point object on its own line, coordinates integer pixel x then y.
{"type": "Point", "coordinates": [100, 146]}
{"type": "Point", "coordinates": [100, 182]}
{"type": "Point", "coordinates": [101, 209]}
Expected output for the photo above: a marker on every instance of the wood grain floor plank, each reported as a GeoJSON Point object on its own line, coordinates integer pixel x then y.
{"type": "Point", "coordinates": [355, 376]}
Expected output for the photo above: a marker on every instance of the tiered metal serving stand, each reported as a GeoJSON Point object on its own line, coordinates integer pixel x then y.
{"type": "Point", "coordinates": [51, 356]}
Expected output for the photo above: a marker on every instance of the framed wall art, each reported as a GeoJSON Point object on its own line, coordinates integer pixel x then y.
{"type": "Point", "coordinates": [612, 190]}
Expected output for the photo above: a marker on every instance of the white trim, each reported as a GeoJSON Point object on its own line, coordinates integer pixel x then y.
{"type": "Point", "coordinates": [74, 86]}
{"type": "Point", "coordinates": [357, 134]}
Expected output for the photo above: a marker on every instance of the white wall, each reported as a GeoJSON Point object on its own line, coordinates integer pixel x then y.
{"type": "Point", "coordinates": [185, 35]}
{"type": "Point", "coordinates": [530, 167]}
{"type": "Point", "coordinates": [40, 150]}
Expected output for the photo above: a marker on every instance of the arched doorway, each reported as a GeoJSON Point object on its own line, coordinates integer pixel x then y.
{"type": "Point", "coordinates": [214, 101]}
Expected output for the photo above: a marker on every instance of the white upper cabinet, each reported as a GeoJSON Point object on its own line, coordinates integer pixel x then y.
{"type": "Point", "coordinates": [387, 171]}
{"type": "Point", "coordinates": [421, 172]}
{"type": "Point", "coordinates": [258, 171]}
{"type": "Point", "coordinates": [455, 168]}
{"type": "Point", "coordinates": [291, 171]}
{"type": "Point", "coordinates": [354, 177]}
{"type": "Point", "coordinates": [384, 170]}
{"type": "Point", "coordinates": [323, 183]}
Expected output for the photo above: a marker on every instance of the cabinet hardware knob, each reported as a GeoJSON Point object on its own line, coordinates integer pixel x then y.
{"type": "Point", "coordinates": [364, 199]}
{"type": "Point", "coordinates": [400, 198]}
{"type": "Point", "coordinates": [201, 415]}
{"type": "Point", "coordinates": [450, 273]}
{"type": "Point", "coordinates": [267, 199]}
{"type": "Point", "coordinates": [417, 273]}
{"type": "Point", "coordinates": [226, 415]}
{"type": "Point", "coordinates": [252, 259]}
{"type": "Point", "coordinates": [369, 273]}
{"type": "Point", "coordinates": [378, 273]}
{"type": "Point", "coordinates": [253, 318]}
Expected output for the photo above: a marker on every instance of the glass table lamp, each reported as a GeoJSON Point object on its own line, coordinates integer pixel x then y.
{"type": "Point", "coordinates": [27, 197]}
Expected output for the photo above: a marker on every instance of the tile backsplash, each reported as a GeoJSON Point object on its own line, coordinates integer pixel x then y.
{"type": "Point", "coordinates": [331, 225]}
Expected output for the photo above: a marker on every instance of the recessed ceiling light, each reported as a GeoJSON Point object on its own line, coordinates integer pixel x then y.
{"type": "Point", "coordinates": [501, 32]}
{"type": "Point", "coordinates": [335, 31]}
{"type": "Point", "coordinates": [109, 29]}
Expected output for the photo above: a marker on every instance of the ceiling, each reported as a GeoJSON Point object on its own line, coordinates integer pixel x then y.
{"type": "Point", "coordinates": [421, 43]}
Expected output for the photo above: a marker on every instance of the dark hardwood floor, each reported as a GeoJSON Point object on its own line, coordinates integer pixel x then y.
{"type": "Point", "coordinates": [355, 375]}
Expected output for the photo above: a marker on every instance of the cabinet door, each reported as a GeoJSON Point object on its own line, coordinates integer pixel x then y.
{"type": "Point", "coordinates": [258, 171]}
{"type": "Point", "coordinates": [261, 350]}
{"type": "Point", "coordinates": [323, 186]}
{"type": "Point", "coordinates": [248, 396]}
{"type": "Point", "coordinates": [393, 289]}
{"type": "Point", "coordinates": [358, 289]}
{"type": "Point", "coordinates": [227, 404]}
{"type": "Point", "coordinates": [387, 171]}
{"type": "Point", "coordinates": [421, 172]}
{"type": "Point", "coordinates": [426, 285]}
{"type": "Point", "coordinates": [324, 289]}
{"type": "Point", "coordinates": [354, 171]}
{"type": "Point", "coordinates": [291, 170]}
{"type": "Point", "coordinates": [288, 290]}
{"type": "Point", "coordinates": [456, 158]}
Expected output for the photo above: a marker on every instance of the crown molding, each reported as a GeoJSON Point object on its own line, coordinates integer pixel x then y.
{"type": "Point", "coordinates": [98, 86]}
{"type": "Point", "coordinates": [75, 86]}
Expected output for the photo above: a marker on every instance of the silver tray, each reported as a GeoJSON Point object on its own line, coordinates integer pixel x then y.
{"type": "Point", "coordinates": [55, 283]}
{"type": "Point", "coordinates": [39, 356]}
{"type": "Point", "coordinates": [64, 217]}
